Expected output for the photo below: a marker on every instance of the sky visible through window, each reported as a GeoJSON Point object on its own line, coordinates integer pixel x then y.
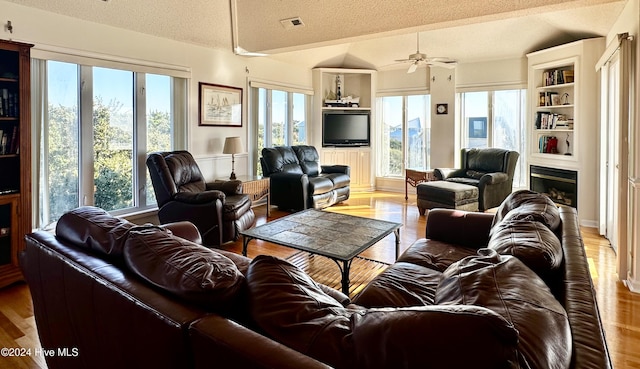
{"type": "Point", "coordinates": [65, 82]}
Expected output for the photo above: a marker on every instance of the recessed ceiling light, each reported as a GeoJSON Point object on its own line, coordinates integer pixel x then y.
{"type": "Point", "coordinates": [292, 23]}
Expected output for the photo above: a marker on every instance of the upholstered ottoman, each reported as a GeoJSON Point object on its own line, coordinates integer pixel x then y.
{"type": "Point", "coordinates": [448, 195]}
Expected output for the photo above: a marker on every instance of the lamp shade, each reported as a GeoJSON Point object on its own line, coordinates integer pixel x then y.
{"type": "Point", "coordinates": [232, 145]}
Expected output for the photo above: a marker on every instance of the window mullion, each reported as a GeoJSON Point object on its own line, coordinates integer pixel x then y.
{"type": "Point", "coordinates": [139, 140]}
{"type": "Point", "coordinates": [86, 170]}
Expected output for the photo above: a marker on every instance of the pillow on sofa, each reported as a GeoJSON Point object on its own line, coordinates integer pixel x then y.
{"type": "Point", "coordinates": [94, 228]}
{"type": "Point", "coordinates": [188, 270]}
{"type": "Point", "coordinates": [454, 336]}
{"type": "Point", "coordinates": [531, 242]}
{"type": "Point", "coordinates": [294, 310]}
{"type": "Point", "coordinates": [506, 286]}
{"type": "Point", "coordinates": [524, 203]}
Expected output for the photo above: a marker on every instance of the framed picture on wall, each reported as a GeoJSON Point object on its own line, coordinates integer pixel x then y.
{"type": "Point", "coordinates": [219, 105]}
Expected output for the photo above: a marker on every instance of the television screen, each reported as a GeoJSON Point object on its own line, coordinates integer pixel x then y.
{"type": "Point", "coordinates": [345, 128]}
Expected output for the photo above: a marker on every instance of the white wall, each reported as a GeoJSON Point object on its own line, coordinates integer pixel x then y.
{"type": "Point", "coordinates": [50, 31]}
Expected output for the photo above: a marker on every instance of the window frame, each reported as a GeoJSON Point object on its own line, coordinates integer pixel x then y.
{"type": "Point", "coordinates": [462, 126]}
{"type": "Point", "coordinates": [381, 172]}
{"type": "Point", "coordinates": [255, 105]}
{"type": "Point", "coordinates": [178, 115]}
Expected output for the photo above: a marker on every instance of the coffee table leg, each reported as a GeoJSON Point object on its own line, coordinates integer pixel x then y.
{"type": "Point", "coordinates": [245, 242]}
{"type": "Point", "coordinates": [345, 276]}
{"type": "Point", "coordinates": [397, 233]}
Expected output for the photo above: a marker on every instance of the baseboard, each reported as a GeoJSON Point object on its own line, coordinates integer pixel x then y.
{"type": "Point", "coordinates": [589, 223]}
{"type": "Point", "coordinates": [633, 285]}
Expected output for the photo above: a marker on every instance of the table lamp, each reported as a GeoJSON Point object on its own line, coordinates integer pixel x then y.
{"type": "Point", "coordinates": [232, 145]}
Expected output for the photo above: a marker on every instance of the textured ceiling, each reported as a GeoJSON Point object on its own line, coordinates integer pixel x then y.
{"type": "Point", "coordinates": [356, 33]}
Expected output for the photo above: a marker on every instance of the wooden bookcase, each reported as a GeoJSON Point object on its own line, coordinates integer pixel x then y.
{"type": "Point", "coordinates": [15, 156]}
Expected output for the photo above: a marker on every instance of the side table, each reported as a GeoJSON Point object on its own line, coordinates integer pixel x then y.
{"type": "Point", "coordinates": [414, 177]}
{"type": "Point", "coordinates": [257, 187]}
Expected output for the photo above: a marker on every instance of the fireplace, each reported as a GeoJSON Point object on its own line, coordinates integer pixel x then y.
{"type": "Point", "coordinates": [559, 184]}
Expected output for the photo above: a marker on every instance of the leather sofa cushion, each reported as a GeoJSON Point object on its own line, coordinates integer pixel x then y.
{"type": "Point", "coordinates": [94, 228]}
{"type": "Point", "coordinates": [475, 174]}
{"type": "Point", "coordinates": [531, 242]}
{"type": "Point", "coordinates": [292, 308]}
{"type": "Point", "coordinates": [523, 203]}
{"type": "Point", "coordinates": [308, 158]}
{"type": "Point", "coordinates": [338, 179]}
{"type": "Point", "coordinates": [185, 172]}
{"type": "Point", "coordinates": [192, 272]}
{"type": "Point", "coordinates": [508, 287]}
{"type": "Point", "coordinates": [319, 185]}
{"type": "Point", "coordinates": [487, 160]}
{"type": "Point", "coordinates": [281, 159]}
{"type": "Point", "coordinates": [433, 337]}
{"type": "Point", "coordinates": [466, 181]}
{"type": "Point", "coordinates": [401, 284]}
{"type": "Point", "coordinates": [434, 254]}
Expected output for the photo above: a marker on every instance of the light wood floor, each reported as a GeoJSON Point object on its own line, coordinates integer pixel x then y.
{"type": "Point", "coordinates": [620, 309]}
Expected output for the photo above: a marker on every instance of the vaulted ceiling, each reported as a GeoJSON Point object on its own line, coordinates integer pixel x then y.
{"type": "Point", "coordinates": [355, 33]}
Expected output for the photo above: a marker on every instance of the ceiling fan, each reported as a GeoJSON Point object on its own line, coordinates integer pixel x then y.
{"type": "Point", "coordinates": [418, 57]}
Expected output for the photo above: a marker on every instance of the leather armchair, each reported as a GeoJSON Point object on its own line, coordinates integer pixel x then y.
{"type": "Point", "coordinates": [218, 209]}
{"type": "Point", "coordinates": [299, 182]}
{"type": "Point", "coordinates": [489, 169]}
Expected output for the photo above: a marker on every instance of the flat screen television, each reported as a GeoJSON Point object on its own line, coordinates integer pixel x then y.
{"type": "Point", "coordinates": [345, 128]}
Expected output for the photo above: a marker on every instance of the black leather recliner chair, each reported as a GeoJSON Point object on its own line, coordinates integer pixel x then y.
{"type": "Point", "coordinates": [218, 209]}
{"type": "Point", "coordinates": [299, 182]}
{"type": "Point", "coordinates": [489, 169]}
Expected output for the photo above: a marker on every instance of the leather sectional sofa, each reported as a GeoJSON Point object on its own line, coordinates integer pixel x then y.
{"type": "Point", "coordinates": [297, 180]}
{"type": "Point", "coordinates": [511, 291]}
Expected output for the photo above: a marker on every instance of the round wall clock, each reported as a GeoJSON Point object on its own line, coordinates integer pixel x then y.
{"type": "Point", "coordinates": [441, 108]}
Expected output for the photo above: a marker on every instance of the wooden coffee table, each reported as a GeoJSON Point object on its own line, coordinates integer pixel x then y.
{"type": "Point", "coordinates": [339, 237]}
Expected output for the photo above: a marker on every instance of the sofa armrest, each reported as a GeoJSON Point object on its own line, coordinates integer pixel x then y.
{"type": "Point", "coordinates": [230, 188]}
{"type": "Point", "coordinates": [444, 173]}
{"type": "Point", "coordinates": [199, 197]}
{"type": "Point", "coordinates": [493, 178]}
{"type": "Point", "coordinates": [345, 169]}
{"type": "Point", "coordinates": [465, 228]}
{"type": "Point", "coordinates": [289, 190]}
{"type": "Point", "coordinates": [184, 229]}
{"type": "Point", "coordinates": [221, 343]}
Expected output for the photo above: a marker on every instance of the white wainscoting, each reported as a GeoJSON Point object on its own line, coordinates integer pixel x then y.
{"type": "Point", "coordinates": [218, 166]}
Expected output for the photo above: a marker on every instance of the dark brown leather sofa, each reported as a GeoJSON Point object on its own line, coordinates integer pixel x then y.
{"type": "Point", "coordinates": [131, 296]}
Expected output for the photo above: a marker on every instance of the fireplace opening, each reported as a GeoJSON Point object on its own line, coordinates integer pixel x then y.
{"type": "Point", "coordinates": [559, 184]}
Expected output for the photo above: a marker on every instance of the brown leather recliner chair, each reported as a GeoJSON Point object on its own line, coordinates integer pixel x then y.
{"type": "Point", "coordinates": [489, 169]}
{"type": "Point", "coordinates": [218, 209]}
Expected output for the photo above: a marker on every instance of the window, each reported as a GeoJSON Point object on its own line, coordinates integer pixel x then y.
{"type": "Point", "coordinates": [495, 119]}
{"type": "Point", "coordinates": [281, 118]}
{"type": "Point", "coordinates": [99, 125]}
{"type": "Point", "coordinates": [404, 133]}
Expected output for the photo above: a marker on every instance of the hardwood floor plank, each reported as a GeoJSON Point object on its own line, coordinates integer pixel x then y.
{"type": "Point", "coordinates": [620, 309]}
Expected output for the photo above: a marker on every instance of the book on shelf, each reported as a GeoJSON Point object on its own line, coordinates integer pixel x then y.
{"type": "Point", "coordinates": [9, 141]}
{"type": "Point", "coordinates": [548, 144]}
{"type": "Point", "coordinates": [557, 77]}
{"type": "Point", "coordinates": [8, 103]}
{"type": "Point", "coordinates": [548, 120]}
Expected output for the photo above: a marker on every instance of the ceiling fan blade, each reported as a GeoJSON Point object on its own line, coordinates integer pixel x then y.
{"type": "Point", "coordinates": [404, 60]}
{"type": "Point", "coordinates": [448, 65]}
{"type": "Point", "coordinates": [412, 67]}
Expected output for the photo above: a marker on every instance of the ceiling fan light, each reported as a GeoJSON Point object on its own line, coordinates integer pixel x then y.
{"type": "Point", "coordinates": [412, 67]}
